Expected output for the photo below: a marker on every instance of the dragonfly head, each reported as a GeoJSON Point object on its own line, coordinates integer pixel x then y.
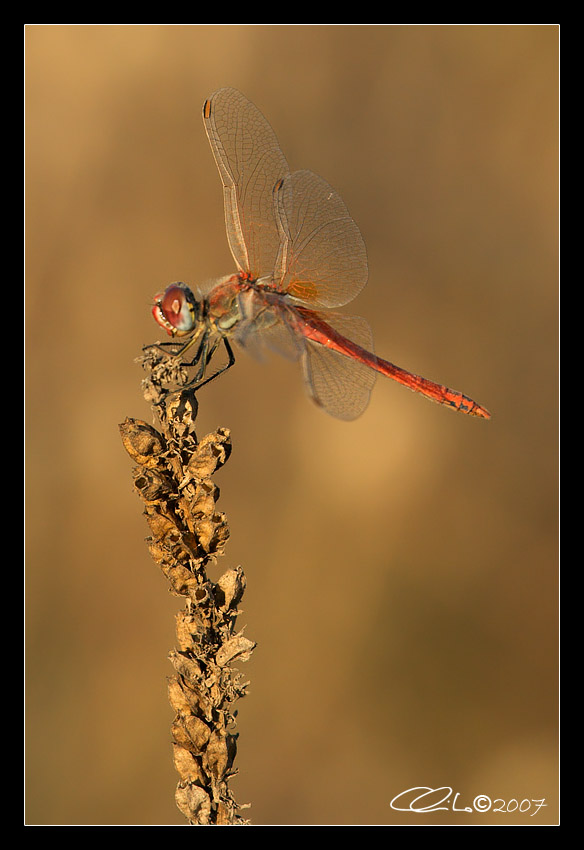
{"type": "Point", "coordinates": [177, 310]}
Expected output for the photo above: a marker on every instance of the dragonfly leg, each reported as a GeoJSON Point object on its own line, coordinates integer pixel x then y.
{"type": "Point", "coordinates": [203, 356]}
{"type": "Point", "coordinates": [163, 348]}
{"type": "Point", "coordinates": [228, 365]}
{"type": "Point", "coordinates": [175, 349]}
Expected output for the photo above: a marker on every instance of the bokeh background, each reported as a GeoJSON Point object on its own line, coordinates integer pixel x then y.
{"type": "Point", "coordinates": [402, 569]}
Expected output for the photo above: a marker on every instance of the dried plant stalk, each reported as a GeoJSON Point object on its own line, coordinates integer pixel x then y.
{"type": "Point", "coordinates": [173, 477]}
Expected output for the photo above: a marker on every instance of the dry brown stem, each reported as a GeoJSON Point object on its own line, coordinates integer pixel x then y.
{"type": "Point", "coordinates": [173, 477]}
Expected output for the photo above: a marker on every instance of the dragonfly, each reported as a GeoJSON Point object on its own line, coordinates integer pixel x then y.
{"type": "Point", "coordinates": [300, 257]}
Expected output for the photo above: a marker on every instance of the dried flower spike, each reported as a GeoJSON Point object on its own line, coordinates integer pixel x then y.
{"type": "Point", "coordinates": [187, 534]}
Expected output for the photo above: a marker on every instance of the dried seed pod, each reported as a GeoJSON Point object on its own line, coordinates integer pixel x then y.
{"type": "Point", "coordinates": [151, 484]}
{"type": "Point", "coordinates": [142, 442]}
{"type": "Point", "coordinates": [194, 803]}
{"type": "Point", "coordinates": [216, 757]}
{"type": "Point", "coordinates": [178, 697]}
{"type": "Point", "coordinates": [204, 498]}
{"type": "Point", "coordinates": [230, 588]}
{"type": "Point", "coordinates": [162, 526]}
{"type": "Point", "coordinates": [187, 765]}
{"type": "Point", "coordinates": [198, 732]}
{"type": "Point", "coordinates": [238, 647]}
{"type": "Point", "coordinates": [189, 668]}
{"type": "Point", "coordinates": [211, 453]}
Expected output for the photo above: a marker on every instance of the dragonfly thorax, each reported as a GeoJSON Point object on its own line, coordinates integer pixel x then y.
{"type": "Point", "coordinates": [224, 304]}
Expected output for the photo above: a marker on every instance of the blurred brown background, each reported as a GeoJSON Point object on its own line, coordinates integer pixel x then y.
{"type": "Point", "coordinates": [401, 569]}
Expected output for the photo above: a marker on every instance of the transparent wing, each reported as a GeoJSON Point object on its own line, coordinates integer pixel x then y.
{"type": "Point", "coordinates": [339, 384]}
{"type": "Point", "coordinates": [322, 260]}
{"type": "Point", "coordinates": [250, 163]}
{"type": "Point", "coordinates": [271, 330]}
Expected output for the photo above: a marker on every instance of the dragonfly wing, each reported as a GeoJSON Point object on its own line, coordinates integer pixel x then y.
{"type": "Point", "coordinates": [268, 324]}
{"type": "Point", "coordinates": [322, 260]}
{"type": "Point", "coordinates": [269, 332]}
{"type": "Point", "coordinates": [250, 163]}
{"type": "Point", "coordinates": [341, 385]}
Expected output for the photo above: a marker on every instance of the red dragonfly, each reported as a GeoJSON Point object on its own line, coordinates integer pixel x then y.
{"type": "Point", "coordinates": [300, 256]}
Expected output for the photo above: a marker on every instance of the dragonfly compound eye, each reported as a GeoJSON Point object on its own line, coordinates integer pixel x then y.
{"type": "Point", "coordinates": [176, 310]}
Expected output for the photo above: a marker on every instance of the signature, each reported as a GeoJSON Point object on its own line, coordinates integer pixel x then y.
{"type": "Point", "coordinates": [422, 799]}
